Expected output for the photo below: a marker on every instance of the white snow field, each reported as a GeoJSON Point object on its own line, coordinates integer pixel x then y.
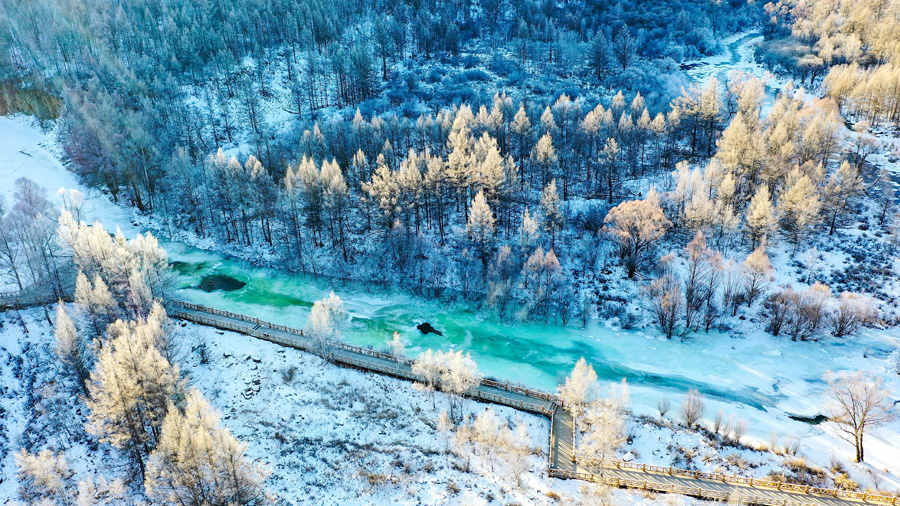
{"type": "Point", "coordinates": [330, 436]}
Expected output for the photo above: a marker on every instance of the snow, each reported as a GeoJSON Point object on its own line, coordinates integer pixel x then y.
{"type": "Point", "coordinates": [26, 151]}
{"type": "Point", "coordinates": [748, 372]}
{"type": "Point", "coordinates": [329, 435]}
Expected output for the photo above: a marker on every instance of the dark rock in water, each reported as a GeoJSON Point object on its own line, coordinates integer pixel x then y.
{"type": "Point", "coordinates": [812, 420]}
{"type": "Point", "coordinates": [426, 328]}
{"type": "Point", "coordinates": [222, 282]}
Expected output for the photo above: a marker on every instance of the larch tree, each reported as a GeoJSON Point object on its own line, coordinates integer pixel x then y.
{"type": "Point", "coordinates": [839, 191]}
{"type": "Point", "coordinates": [95, 302]}
{"type": "Point", "coordinates": [579, 389]}
{"type": "Point", "coordinates": [545, 158]}
{"type": "Point", "coordinates": [384, 191]}
{"type": "Point", "coordinates": [199, 463]}
{"type": "Point", "coordinates": [529, 232]}
{"type": "Point", "coordinates": [71, 348]}
{"type": "Point", "coordinates": [131, 388]}
{"type": "Point", "coordinates": [635, 226]}
{"type": "Point", "coordinates": [761, 218]}
{"type": "Point", "coordinates": [756, 273]}
{"type": "Point", "coordinates": [609, 161]}
{"type": "Point", "coordinates": [798, 206]}
{"type": "Point", "coordinates": [858, 402]}
{"type": "Point", "coordinates": [44, 478]}
{"type": "Point", "coordinates": [481, 226]}
{"type": "Point", "coordinates": [551, 209]}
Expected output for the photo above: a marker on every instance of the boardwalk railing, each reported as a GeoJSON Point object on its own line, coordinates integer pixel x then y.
{"type": "Point", "coordinates": [545, 404]}
{"type": "Point", "coordinates": [752, 482]}
{"type": "Point", "coordinates": [671, 488]}
{"type": "Point", "coordinates": [534, 394]}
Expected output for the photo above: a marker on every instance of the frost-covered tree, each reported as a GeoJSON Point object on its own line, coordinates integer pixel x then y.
{"type": "Point", "coordinates": [853, 310]}
{"type": "Point", "coordinates": [481, 226]}
{"type": "Point", "coordinates": [199, 463]}
{"type": "Point", "coordinates": [384, 191]}
{"type": "Point", "coordinates": [71, 348]}
{"type": "Point", "coordinates": [580, 388]}
{"type": "Point", "coordinates": [397, 346]}
{"type": "Point", "coordinates": [130, 390]}
{"type": "Point", "coordinates": [606, 426]}
{"type": "Point", "coordinates": [544, 157]}
{"type": "Point", "coordinates": [95, 302]}
{"type": "Point", "coordinates": [756, 273]}
{"type": "Point", "coordinates": [135, 271]}
{"type": "Point", "coordinates": [636, 225]}
{"type": "Point", "coordinates": [44, 478]}
{"type": "Point", "coordinates": [609, 161]}
{"type": "Point", "coordinates": [529, 232]}
{"type": "Point", "coordinates": [666, 301]}
{"type": "Point", "coordinates": [326, 320]}
{"type": "Point", "coordinates": [761, 218]}
{"type": "Point", "coordinates": [551, 211]}
{"type": "Point", "coordinates": [428, 367]}
{"type": "Point", "coordinates": [692, 408]}
{"type": "Point", "coordinates": [839, 191]}
{"type": "Point", "coordinates": [459, 374]}
{"type": "Point", "coordinates": [701, 281]}
{"type": "Point", "coordinates": [519, 450]}
{"type": "Point", "coordinates": [798, 206]}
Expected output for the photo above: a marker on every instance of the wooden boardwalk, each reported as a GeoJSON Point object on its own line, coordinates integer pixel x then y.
{"type": "Point", "coordinates": [562, 462]}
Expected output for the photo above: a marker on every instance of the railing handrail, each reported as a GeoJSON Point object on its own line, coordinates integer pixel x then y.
{"type": "Point", "coordinates": [548, 411]}
{"type": "Point", "coordinates": [759, 483]}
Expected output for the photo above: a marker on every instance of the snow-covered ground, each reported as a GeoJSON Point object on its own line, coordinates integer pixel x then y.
{"type": "Point", "coordinates": [329, 435]}
{"type": "Point", "coordinates": [748, 373]}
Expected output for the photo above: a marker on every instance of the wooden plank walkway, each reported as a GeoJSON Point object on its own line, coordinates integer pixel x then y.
{"type": "Point", "coordinates": [562, 462]}
{"type": "Point", "coordinates": [561, 459]}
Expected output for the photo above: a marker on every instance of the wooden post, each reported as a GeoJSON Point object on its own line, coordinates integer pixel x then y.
{"type": "Point", "coordinates": [670, 470]}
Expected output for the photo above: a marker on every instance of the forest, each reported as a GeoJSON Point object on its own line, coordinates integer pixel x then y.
{"type": "Point", "coordinates": [566, 164]}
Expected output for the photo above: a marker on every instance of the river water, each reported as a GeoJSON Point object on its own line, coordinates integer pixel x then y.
{"type": "Point", "coordinates": [755, 374]}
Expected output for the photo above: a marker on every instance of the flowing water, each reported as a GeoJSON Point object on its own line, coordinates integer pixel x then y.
{"type": "Point", "coordinates": [535, 355]}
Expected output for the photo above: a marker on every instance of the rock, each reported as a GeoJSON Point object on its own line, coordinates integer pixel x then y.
{"type": "Point", "coordinates": [426, 328]}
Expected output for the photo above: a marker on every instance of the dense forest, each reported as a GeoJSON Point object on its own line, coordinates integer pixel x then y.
{"type": "Point", "coordinates": [542, 162]}
{"type": "Point", "coordinates": [496, 152]}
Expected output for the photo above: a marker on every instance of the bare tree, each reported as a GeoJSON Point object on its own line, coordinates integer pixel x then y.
{"type": "Point", "coordinates": [663, 405]}
{"type": "Point", "coordinates": [692, 408]}
{"type": "Point", "coordinates": [852, 310]}
{"type": "Point", "coordinates": [666, 300]}
{"type": "Point", "coordinates": [859, 401]}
